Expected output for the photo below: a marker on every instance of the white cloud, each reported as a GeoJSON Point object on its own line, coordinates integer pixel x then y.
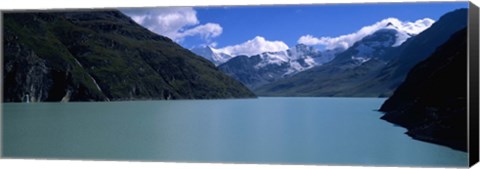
{"type": "Point", "coordinates": [345, 41]}
{"type": "Point", "coordinates": [254, 46]}
{"type": "Point", "coordinates": [309, 40]}
{"type": "Point", "coordinates": [206, 31]}
{"type": "Point", "coordinates": [175, 23]}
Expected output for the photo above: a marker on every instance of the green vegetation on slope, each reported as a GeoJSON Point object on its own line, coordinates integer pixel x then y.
{"type": "Point", "coordinates": [102, 55]}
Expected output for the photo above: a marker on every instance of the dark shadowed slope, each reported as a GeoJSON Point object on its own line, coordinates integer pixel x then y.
{"type": "Point", "coordinates": [102, 55]}
{"type": "Point", "coordinates": [431, 103]}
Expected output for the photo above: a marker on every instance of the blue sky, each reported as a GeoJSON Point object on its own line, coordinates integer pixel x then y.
{"type": "Point", "coordinates": [227, 26]}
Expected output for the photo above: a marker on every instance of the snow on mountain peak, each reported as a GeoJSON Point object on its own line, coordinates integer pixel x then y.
{"type": "Point", "coordinates": [406, 29]}
{"type": "Point", "coordinates": [269, 58]}
{"type": "Point", "coordinates": [255, 46]}
{"type": "Point", "coordinates": [409, 27]}
{"type": "Point", "coordinates": [385, 33]}
{"type": "Point", "coordinates": [214, 55]}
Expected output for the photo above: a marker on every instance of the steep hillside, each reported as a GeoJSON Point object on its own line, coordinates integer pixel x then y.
{"type": "Point", "coordinates": [432, 101]}
{"type": "Point", "coordinates": [102, 55]}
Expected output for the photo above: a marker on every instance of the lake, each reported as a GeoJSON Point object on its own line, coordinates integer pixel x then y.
{"type": "Point", "coordinates": [321, 131]}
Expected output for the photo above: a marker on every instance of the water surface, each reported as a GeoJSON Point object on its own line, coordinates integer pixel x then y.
{"type": "Point", "coordinates": [328, 131]}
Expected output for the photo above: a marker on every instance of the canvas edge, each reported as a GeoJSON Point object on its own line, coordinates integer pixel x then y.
{"type": "Point", "coordinates": [472, 67]}
{"type": "Point", "coordinates": [473, 84]}
{"type": "Point", "coordinates": [1, 83]}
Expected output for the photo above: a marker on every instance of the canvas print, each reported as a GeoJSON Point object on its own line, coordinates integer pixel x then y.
{"type": "Point", "coordinates": [379, 84]}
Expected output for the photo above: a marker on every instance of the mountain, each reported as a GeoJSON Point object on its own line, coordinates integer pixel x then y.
{"type": "Point", "coordinates": [213, 55]}
{"type": "Point", "coordinates": [432, 101]}
{"type": "Point", "coordinates": [350, 66]}
{"type": "Point", "coordinates": [413, 51]}
{"type": "Point", "coordinates": [374, 46]}
{"type": "Point", "coordinates": [257, 70]}
{"type": "Point", "coordinates": [101, 56]}
{"type": "Point", "coordinates": [373, 66]}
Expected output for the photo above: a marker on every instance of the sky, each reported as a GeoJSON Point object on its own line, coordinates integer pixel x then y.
{"type": "Point", "coordinates": [251, 29]}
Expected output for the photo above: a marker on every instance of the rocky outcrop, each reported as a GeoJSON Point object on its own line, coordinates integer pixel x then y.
{"type": "Point", "coordinates": [29, 76]}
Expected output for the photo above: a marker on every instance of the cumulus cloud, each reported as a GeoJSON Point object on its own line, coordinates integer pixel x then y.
{"type": "Point", "coordinates": [254, 46]}
{"type": "Point", "coordinates": [175, 23]}
{"type": "Point", "coordinates": [345, 41]}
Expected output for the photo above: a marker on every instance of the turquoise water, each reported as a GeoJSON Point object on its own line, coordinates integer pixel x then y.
{"type": "Point", "coordinates": [328, 131]}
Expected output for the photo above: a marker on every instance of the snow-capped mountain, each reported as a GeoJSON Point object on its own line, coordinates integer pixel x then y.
{"type": "Point", "coordinates": [406, 30]}
{"type": "Point", "coordinates": [255, 46]}
{"type": "Point", "coordinates": [214, 55]}
{"type": "Point", "coordinates": [267, 67]}
{"type": "Point", "coordinates": [259, 69]}
{"type": "Point", "coordinates": [298, 58]}
{"type": "Point", "coordinates": [364, 57]}
{"type": "Point", "coordinates": [362, 70]}
{"type": "Point", "coordinates": [402, 32]}
{"type": "Point", "coordinates": [373, 46]}
{"type": "Point", "coordinates": [303, 55]}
